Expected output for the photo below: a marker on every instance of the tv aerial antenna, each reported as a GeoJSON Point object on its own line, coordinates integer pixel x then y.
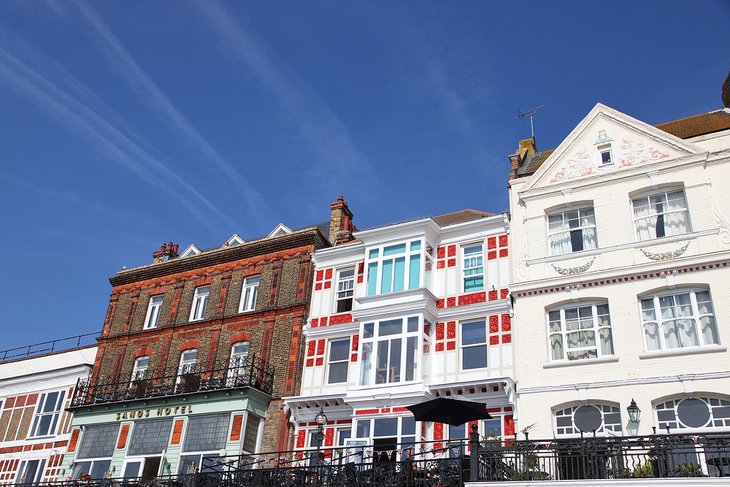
{"type": "Point", "coordinates": [530, 113]}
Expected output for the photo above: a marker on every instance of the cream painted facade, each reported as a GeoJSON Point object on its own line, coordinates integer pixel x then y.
{"type": "Point", "coordinates": [627, 265]}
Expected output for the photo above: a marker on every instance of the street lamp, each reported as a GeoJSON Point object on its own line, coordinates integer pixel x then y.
{"type": "Point", "coordinates": [634, 412]}
{"type": "Point", "coordinates": [321, 420]}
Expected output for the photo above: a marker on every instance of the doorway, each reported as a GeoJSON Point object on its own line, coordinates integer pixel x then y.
{"type": "Point", "coordinates": [151, 467]}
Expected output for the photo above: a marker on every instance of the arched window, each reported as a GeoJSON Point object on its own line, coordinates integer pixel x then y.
{"type": "Point", "coordinates": [587, 418]}
{"type": "Point", "coordinates": [237, 363]}
{"type": "Point", "coordinates": [679, 319]}
{"type": "Point", "coordinates": [693, 412]}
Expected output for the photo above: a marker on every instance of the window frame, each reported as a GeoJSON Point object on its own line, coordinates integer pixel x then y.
{"type": "Point", "coordinates": [678, 423]}
{"type": "Point", "coordinates": [600, 405]}
{"type": "Point", "coordinates": [484, 344]}
{"type": "Point", "coordinates": [200, 296]}
{"type": "Point", "coordinates": [603, 149]}
{"type": "Point", "coordinates": [562, 212]}
{"type": "Point", "coordinates": [376, 338]}
{"type": "Point", "coordinates": [136, 369]}
{"type": "Point", "coordinates": [564, 332]}
{"type": "Point", "coordinates": [464, 268]}
{"type": "Point", "coordinates": [348, 280]}
{"type": "Point", "coordinates": [647, 195]}
{"type": "Point", "coordinates": [345, 361]}
{"type": "Point", "coordinates": [154, 309]}
{"type": "Point", "coordinates": [56, 414]}
{"type": "Point", "coordinates": [374, 262]}
{"type": "Point", "coordinates": [237, 363]}
{"type": "Point", "coordinates": [696, 317]}
{"type": "Point", "coordinates": [186, 367]}
{"type": "Point", "coordinates": [249, 293]}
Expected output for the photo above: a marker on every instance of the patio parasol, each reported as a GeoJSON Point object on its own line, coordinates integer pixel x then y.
{"type": "Point", "coordinates": [449, 411]}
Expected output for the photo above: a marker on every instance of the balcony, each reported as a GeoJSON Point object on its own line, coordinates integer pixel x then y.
{"type": "Point", "coordinates": [244, 373]}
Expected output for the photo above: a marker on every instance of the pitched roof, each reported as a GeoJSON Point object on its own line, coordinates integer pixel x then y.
{"type": "Point", "coordinates": [684, 128]}
{"type": "Point", "coordinates": [460, 216]}
{"type": "Point", "coordinates": [696, 125]}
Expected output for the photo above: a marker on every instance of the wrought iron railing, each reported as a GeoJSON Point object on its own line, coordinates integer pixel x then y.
{"type": "Point", "coordinates": [245, 372]}
{"type": "Point", "coordinates": [48, 347]}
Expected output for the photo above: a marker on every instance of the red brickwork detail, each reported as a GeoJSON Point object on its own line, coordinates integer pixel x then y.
{"type": "Point", "coordinates": [74, 439]}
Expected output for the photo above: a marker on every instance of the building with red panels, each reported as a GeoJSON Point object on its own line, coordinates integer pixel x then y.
{"type": "Point", "coordinates": [36, 386]}
{"type": "Point", "coordinates": [402, 314]}
{"type": "Point", "coordinates": [196, 351]}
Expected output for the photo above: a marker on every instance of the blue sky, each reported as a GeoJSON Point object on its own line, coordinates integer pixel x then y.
{"type": "Point", "coordinates": [126, 124]}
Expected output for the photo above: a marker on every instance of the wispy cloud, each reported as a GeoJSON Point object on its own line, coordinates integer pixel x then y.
{"type": "Point", "coordinates": [122, 62]}
{"type": "Point", "coordinates": [76, 113]}
{"type": "Point", "coordinates": [337, 162]}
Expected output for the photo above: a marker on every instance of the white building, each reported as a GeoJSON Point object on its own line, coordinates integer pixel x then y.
{"type": "Point", "coordinates": [34, 424]}
{"type": "Point", "coordinates": [405, 313]}
{"type": "Point", "coordinates": [620, 239]}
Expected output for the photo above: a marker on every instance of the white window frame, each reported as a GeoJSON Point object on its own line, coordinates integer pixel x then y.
{"type": "Point", "coordinates": [564, 332]}
{"type": "Point", "coordinates": [345, 289]}
{"type": "Point", "coordinates": [376, 338]}
{"type": "Point", "coordinates": [139, 372]}
{"type": "Point", "coordinates": [249, 293]}
{"type": "Point", "coordinates": [186, 366]}
{"type": "Point", "coordinates": [331, 362]}
{"type": "Point", "coordinates": [200, 303]}
{"type": "Point", "coordinates": [462, 347]}
{"type": "Point", "coordinates": [55, 414]}
{"type": "Point", "coordinates": [603, 149]}
{"type": "Point", "coordinates": [466, 265]}
{"type": "Point", "coordinates": [567, 230]}
{"type": "Point", "coordinates": [375, 260]}
{"type": "Point", "coordinates": [153, 312]}
{"type": "Point", "coordinates": [672, 403]}
{"type": "Point", "coordinates": [696, 317]}
{"type": "Point", "coordinates": [237, 362]}
{"type": "Point", "coordinates": [647, 196]}
{"type": "Point", "coordinates": [21, 476]}
{"type": "Point", "coordinates": [603, 430]}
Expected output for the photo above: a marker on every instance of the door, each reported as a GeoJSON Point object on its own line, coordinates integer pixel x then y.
{"type": "Point", "coordinates": [151, 467]}
{"type": "Point", "coordinates": [132, 468]}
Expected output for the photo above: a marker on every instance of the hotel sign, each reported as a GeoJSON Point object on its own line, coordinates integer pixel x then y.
{"type": "Point", "coordinates": [159, 412]}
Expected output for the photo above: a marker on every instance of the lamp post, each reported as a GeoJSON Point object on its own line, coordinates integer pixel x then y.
{"type": "Point", "coordinates": [321, 420]}
{"type": "Point", "coordinates": [634, 412]}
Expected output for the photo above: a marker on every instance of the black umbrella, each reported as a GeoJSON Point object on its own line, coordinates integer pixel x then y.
{"type": "Point", "coordinates": [449, 411]}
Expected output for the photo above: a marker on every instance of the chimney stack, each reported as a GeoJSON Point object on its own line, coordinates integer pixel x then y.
{"type": "Point", "coordinates": [341, 226]}
{"type": "Point", "coordinates": [526, 148]}
{"type": "Point", "coordinates": [167, 251]}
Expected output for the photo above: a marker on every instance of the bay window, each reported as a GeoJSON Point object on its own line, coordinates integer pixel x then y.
{"type": "Point", "coordinates": [389, 351]}
{"type": "Point", "coordinates": [580, 332]}
{"type": "Point", "coordinates": [394, 268]}
{"type": "Point", "coordinates": [661, 215]}
{"type": "Point", "coordinates": [572, 231]}
{"type": "Point", "coordinates": [679, 320]}
{"type": "Point", "coordinates": [473, 268]}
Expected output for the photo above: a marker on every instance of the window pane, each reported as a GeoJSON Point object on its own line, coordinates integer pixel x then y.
{"type": "Point", "coordinates": [400, 274]}
{"type": "Point", "coordinates": [709, 330]}
{"type": "Point", "coordinates": [390, 327]}
{"type": "Point", "coordinates": [372, 278]}
{"type": "Point", "coordinates": [386, 427]}
{"type": "Point", "coordinates": [408, 425]}
{"type": "Point", "coordinates": [651, 331]}
{"type": "Point", "coordinates": [386, 280]}
{"type": "Point", "coordinates": [250, 436]}
{"type": "Point", "coordinates": [413, 324]}
{"type": "Point", "coordinates": [337, 373]}
{"type": "Point", "coordinates": [475, 357]}
{"type": "Point", "coordinates": [98, 440]}
{"type": "Point", "coordinates": [410, 358]}
{"type": "Point", "coordinates": [150, 437]}
{"type": "Point", "coordinates": [50, 404]}
{"type": "Point", "coordinates": [381, 372]}
{"type": "Point", "coordinates": [394, 374]}
{"type": "Point", "coordinates": [394, 250]}
{"type": "Point", "coordinates": [472, 333]}
{"type": "Point", "coordinates": [339, 350]}
{"type": "Point", "coordinates": [363, 428]}
{"type": "Point", "coordinates": [414, 272]}
{"type": "Point", "coordinates": [556, 346]}
{"type": "Point", "coordinates": [206, 432]}
{"type": "Point", "coordinates": [416, 245]}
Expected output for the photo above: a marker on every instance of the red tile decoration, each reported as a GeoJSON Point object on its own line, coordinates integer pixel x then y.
{"type": "Point", "coordinates": [492, 243]}
{"type": "Point", "coordinates": [503, 240]}
{"type": "Point", "coordinates": [328, 284]}
{"type": "Point", "coordinates": [235, 429]}
{"type": "Point", "coordinates": [441, 252]}
{"type": "Point", "coordinates": [507, 338]}
{"type": "Point", "coordinates": [315, 322]}
{"type": "Point", "coordinates": [450, 302]}
{"type": "Point", "coordinates": [494, 324]}
{"type": "Point", "coordinates": [328, 274]}
{"type": "Point", "coordinates": [323, 321]}
{"type": "Point", "coordinates": [301, 434]}
{"type": "Point", "coordinates": [450, 345]}
{"type": "Point", "coordinates": [506, 322]}
{"type": "Point", "coordinates": [353, 357]}
{"type": "Point", "coordinates": [440, 264]}
{"type": "Point", "coordinates": [318, 286]}
{"type": "Point", "coordinates": [494, 340]}
{"type": "Point", "coordinates": [509, 425]}
{"type": "Point", "coordinates": [320, 346]}
{"type": "Point", "coordinates": [359, 412]}
{"type": "Point", "coordinates": [329, 436]}
{"type": "Point", "coordinates": [74, 440]}
{"type": "Point", "coordinates": [440, 303]}
{"type": "Point", "coordinates": [503, 252]}
{"type": "Point", "coordinates": [451, 330]}
{"type": "Point", "coordinates": [503, 293]}
{"type": "Point", "coordinates": [320, 275]}
{"type": "Point", "coordinates": [355, 342]}
{"type": "Point", "coordinates": [319, 362]}
{"type": "Point", "coordinates": [452, 251]}
{"type": "Point", "coordinates": [123, 434]}
{"type": "Point", "coordinates": [311, 347]}
{"type": "Point", "coordinates": [339, 319]}
{"type": "Point", "coordinates": [452, 263]}
{"type": "Point", "coordinates": [310, 362]}
{"type": "Point", "coordinates": [492, 295]}
{"type": "Point", "coordinates": [439, 347]}
{"type": "Point", "coordinates": [491, 255]}
{"type": "Point", "coordinates": [439, 331]}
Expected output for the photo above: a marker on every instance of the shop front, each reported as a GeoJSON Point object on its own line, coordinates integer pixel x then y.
{"type": "Point", "coordinates": [164, 437]}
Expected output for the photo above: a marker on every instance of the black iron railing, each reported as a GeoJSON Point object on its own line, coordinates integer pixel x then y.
{"type": "Point", "coordinates": [48, 347]}
{"type": "Point", "coordinates": [245, 372]}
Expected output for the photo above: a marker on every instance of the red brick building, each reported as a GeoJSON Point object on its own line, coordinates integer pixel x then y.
{"type": "Point", "coordinates": [196, 351]}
